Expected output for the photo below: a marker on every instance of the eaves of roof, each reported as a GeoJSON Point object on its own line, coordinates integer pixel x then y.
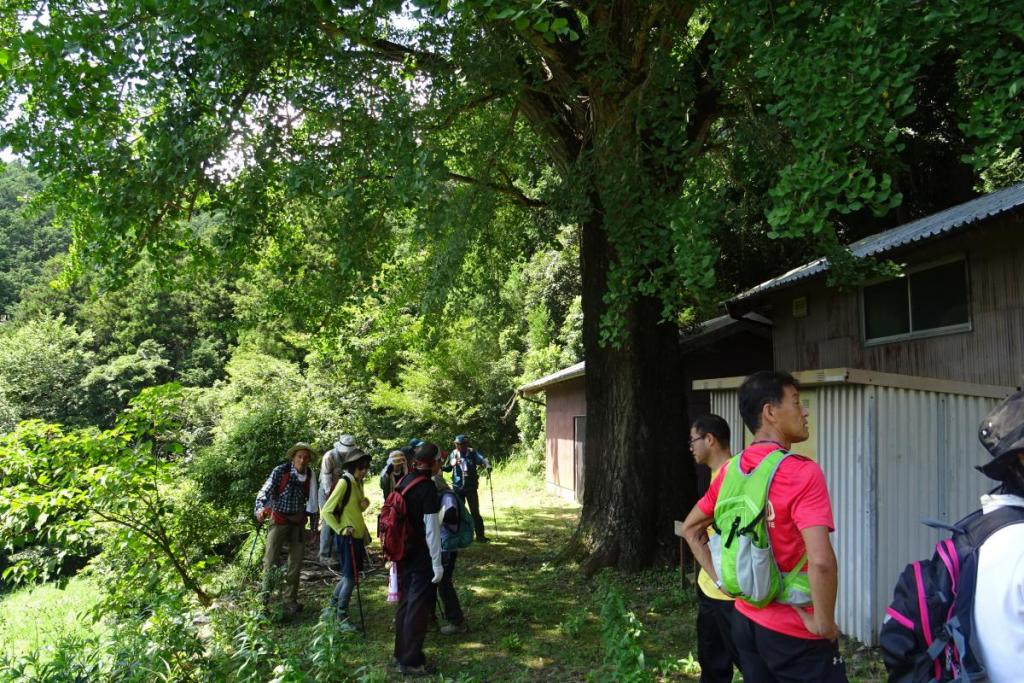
{"type": "Point", "coordinates": [960, 217]}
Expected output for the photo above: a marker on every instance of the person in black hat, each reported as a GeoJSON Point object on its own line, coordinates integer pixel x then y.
{"type": "Point", "coordinates": [420, 570]}
{"type": "Point", "coordinates": [464, 463]}
{"type": "Point", "coordinates": [999, 589]}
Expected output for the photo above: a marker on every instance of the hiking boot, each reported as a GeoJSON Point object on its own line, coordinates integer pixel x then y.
{"type": "Point", "coordinates": [454, 629]}
{"type": "Point", "coordinates": [346, 626]}
{"type": "Point", "coordinates": [421, 670]}
{"type": "Point", "coordinates": [483, 539]}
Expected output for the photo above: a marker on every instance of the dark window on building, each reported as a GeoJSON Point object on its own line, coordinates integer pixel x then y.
{"type": "Point", "coordinates": [928, 301]}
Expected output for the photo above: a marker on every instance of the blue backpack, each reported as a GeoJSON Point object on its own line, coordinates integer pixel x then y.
{"type": "Point", "coordinates": [928, 632]}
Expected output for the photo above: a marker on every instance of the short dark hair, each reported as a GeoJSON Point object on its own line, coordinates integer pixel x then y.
{"type": "Point", "coordinates": [1013, 477]}
{"type": "Point", "coordinates": [714, 425]}
{"type": "Point", "coordinates": [361, 463]}
{"type": "Point", "coordinates": [767, 386]}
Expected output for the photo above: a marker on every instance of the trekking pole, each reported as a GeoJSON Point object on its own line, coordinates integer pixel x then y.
{"type": "Point", "coordinates": [494, 510]}
{"type": "Point", "coordinates": [252, 549]}
{"type": "Point", "coordinates": [359, 592]}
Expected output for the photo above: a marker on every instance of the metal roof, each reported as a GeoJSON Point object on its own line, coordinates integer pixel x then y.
{"type": "Point", "coordinates": [562, 375]}
{"type": "Point", "coordinates": [703, 333]}
{"type": "Point", "coordinates": [945, 222]}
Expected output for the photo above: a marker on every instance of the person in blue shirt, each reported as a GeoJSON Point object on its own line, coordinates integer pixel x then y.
{"type": "Point", "coordinates": [464, 463]}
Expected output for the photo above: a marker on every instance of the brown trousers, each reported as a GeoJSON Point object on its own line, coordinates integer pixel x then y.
{"type": "Point", "coordinates": [278, 535]}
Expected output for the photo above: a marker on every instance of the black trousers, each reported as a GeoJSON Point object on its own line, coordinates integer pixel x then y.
{"type": "Point", "coordinates": [767, 656]}
{"type": "Point", "coordinates": [446, 589]}
{"type": "Point", "coordinates": [473, 501]}
{"type": "Point", "coordinates": [413, 614]}
{"type": "Point", "coordinates": [715, 649]}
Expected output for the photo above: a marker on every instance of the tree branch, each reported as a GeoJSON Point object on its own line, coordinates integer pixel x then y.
{"type": "Point", "coordinates": [392, 51]}
{"type": "Point", "coordinates": [509, 190]}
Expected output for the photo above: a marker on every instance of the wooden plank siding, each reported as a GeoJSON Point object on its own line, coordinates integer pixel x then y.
{"type": "Point", "coordinates": [992, 352]}
{"type": "Point", "coordinates": [564, 401]}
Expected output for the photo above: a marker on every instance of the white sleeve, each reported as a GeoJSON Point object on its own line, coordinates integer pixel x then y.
{"type": "Point", "coordinates": [432, 525]}
{"type": "Point", "coordinates": [313, 504]}
{"type": "Point", "coordinates": [326, 472]}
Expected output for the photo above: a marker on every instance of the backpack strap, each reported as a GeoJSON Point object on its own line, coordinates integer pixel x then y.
{"type": "Point", "coordinates": [415, 482]}
{"type": "Point", "coordinates": [340, 509]}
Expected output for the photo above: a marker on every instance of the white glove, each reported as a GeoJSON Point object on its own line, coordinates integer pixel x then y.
{"type": "Point", "coordinates": [432, 525]}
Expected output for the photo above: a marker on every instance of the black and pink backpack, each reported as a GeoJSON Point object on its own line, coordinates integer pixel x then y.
{"type": "Point", "coordinates": [928, 630]}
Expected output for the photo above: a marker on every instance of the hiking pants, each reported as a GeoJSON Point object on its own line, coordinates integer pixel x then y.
{"type": "Point", "coordinates": [347, 547]}
{"type": "Point", "coordinates": [446, 589]}
{"type": "Point", "coordinates": [326, 541]}
{"type": "Point", "coordinates": [473, 501]}
{"type": "Point", "coordinates": [413, 615]}
{"type": "Point", "coordinates": [277, 536]}
{"type": "Point", "coordinates": [715, 649]}
{"type": "Point", "coordinates": [768, 656]}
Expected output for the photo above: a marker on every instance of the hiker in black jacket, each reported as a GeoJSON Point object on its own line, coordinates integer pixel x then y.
{"type": "Point", "coordinates": [420, 570]}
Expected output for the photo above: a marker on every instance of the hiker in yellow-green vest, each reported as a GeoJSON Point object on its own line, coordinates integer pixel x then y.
{"type": "Point", "coordinates": [343, 511]}
{"type": "Point", "coordinates": [709, 443]}
{"type": "Point", "coordinates": [772, 550]}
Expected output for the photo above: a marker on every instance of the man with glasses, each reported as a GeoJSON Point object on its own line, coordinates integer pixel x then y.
{"type": "Point", "coordinates": [709, 443]}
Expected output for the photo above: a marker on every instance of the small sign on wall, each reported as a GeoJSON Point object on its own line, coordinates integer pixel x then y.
{"type": "Point", "coordinates": [800, 307]}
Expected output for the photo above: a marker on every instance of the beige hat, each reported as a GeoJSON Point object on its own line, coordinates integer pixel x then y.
{"type": "Point", "coordinates": [302, 446]}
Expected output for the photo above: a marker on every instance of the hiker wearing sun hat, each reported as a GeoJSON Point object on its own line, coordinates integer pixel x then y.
{"type": "Point", "coordinates": [999, 588]}
{"type": "Point", "coordinates": [288, 499]}
{"type": "Point", "coordinates": [330, 471]}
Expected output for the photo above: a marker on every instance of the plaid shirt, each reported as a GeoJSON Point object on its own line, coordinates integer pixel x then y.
{"type": "Point", "coordinates": [294, 499]}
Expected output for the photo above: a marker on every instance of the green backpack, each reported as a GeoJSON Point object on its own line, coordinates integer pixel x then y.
{"type": "Point", "coordinates": [462, 536]}
{"type": "Point", "coordinates": [740, 549]}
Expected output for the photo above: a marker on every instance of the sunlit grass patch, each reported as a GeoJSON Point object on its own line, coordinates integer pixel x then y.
{"type": "Point", "coordinates": [35, 617]}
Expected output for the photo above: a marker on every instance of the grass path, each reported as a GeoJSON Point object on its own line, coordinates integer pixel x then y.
{"type": "Point", "coordinates": [532, 618]}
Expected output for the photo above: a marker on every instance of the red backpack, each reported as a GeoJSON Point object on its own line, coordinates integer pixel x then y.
{"type": "Point", "coordinates": [393, 524]}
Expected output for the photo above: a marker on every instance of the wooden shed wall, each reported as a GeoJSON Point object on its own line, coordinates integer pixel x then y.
{"type": "Point", "coordinates": [565, 401]}
{"type": "Point", "coordinates": [991, 353]}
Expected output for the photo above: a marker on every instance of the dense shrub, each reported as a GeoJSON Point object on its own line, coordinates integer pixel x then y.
{"type": "Point", "coordinates": [41, 366]}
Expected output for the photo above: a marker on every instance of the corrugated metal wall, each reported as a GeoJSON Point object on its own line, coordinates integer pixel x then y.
{"type": "Point", "coordinates": [927, 445]}
{"type": "Point", "coordinates": [890, 457]}
{"type": "Point", "coordinates": [846, 447]}
{"type": "Point", "coordinates": [725, 405]}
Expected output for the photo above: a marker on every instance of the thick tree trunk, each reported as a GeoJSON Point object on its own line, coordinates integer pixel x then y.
{"type": "Point", "coordinates": [639, 476]}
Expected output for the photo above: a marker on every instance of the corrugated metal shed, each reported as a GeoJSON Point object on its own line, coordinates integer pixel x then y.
{"type": "Point", "coordinates": [944, 222]}
{"type": "Point", "coordinates": [894, 449]}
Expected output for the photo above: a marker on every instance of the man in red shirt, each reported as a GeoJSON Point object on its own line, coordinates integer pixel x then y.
{"type": "Point", "coordinates": [780, 643]}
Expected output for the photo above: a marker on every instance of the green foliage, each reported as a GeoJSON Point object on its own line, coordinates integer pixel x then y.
{"type": "Point", "coordinates": [41, 366]}
{"type": "Point", "coordinates": [621, 635]}
{"type": "Point", "coordinates": [260, 412]}
{"type": "Point", "coordinates": [27, 236]}
{"type": "Point", "coordinates": [121, 490]}
{"type": "Point", "coordinates": [111, 385]}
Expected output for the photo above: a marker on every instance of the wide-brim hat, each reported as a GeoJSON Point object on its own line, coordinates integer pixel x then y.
{"type": "Point", "coordinates": [461, 438]}
{"type": "Point", "coordinates": [345, 443]}
{"type": "Point", "coordinates": [302, 446]}
{"type": "Point", "coordinates": [353, 455]}
{"type": "Point", "coordinates": [1002, 435]}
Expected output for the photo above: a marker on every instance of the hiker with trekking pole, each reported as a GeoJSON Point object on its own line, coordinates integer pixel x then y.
{"type": "Point", "coordinates": [464, 463]}
{"type": "Point", "coordinates": [343, 511]}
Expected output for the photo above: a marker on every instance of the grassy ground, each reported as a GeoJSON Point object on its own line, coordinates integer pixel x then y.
{"type": "Point", "coordinates": [35, 617]}
{"type": "Point", "coordinates": [532, 618]}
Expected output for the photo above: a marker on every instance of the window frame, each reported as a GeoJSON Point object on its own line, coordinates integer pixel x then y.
{"type": "Point", "coordinates": [909, 270]}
